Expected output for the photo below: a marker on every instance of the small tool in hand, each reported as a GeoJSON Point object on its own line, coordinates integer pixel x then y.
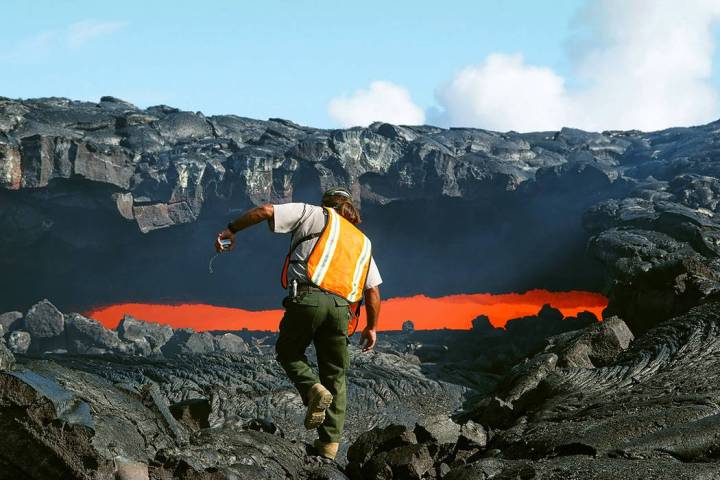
{"type": "Point", "coordinates": [225, 244]}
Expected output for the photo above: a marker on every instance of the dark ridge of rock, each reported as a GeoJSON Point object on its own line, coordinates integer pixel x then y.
{"type": "Point", "coordinates": [121, 103]}
{"type": "Point", "coordinates": [661, 256]}
{"type": "Point", "coordinates": [126, 170]}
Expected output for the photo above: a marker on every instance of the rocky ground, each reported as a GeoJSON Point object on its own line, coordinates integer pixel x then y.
{"type": "Point", "coordinates": [144, 401]}
{"type": "Point", "coordinates": [227, 382]}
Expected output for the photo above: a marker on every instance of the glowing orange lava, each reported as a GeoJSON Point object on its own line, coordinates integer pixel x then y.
{"type": "Point", "coordinates": [452, 311]}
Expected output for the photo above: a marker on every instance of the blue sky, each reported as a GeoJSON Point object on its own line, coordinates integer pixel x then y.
{"type": "Point", "coordinates": [290, 59]}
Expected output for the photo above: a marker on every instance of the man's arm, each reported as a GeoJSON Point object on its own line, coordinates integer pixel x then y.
{"type": "Point", "coordinates": [247, 219]}
{"type": "Point", "coordinates": [372, 306]}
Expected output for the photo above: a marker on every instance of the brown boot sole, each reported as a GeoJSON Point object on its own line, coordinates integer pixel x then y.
{"type": "Point", "coordinates": [326, 450]}
{"type": "Point", "coordinates": [316, 410]}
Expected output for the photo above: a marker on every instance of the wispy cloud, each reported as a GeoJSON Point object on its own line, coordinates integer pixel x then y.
{"type": "Point", "coordinates": [34, 47]}
{"type": "Point", "coordinates": [40, 45]}
{"type": "Point", "coordinates": [80, 33]}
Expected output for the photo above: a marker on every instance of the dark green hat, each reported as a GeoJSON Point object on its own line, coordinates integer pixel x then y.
{"type": "Point", "coordinates": [342, 191]}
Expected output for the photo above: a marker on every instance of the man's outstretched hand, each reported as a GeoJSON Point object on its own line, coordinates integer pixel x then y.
{"type": "Point", "coordinates": [368, 337]}
{"type": "Point", "coordinates": [225, 235]}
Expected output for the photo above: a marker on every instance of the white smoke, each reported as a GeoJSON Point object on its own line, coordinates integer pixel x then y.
{"type": "Point", "coordinates": [644, 64]}
{"type": "Point", "coordinates": [383, 101]}
{"type": "Point", "coordinates": [637, 64]}
{"type": "Point", "coordinates": [505, 94]}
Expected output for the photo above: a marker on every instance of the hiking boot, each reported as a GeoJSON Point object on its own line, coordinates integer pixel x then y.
{"type": "Point", "coordinates": [327, 450]}
{"type": "Point", "coordinates": [319, 399]}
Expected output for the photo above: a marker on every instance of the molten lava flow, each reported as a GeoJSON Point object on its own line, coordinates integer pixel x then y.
{"type": "Point", "coordinates": [453, 311]}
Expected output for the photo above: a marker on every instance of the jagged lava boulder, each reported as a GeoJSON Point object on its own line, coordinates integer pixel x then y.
{"type": "Point", "coordinates": [10, 321]}
{"type": "Point", "coordinates": [146, 337]}
{"type": "Point", "coordinates": [186, 341]}
{"type": "Point", "coordinates": [88, 336]}
{"type": "Point", "coordinates": [46, 325]}
{"type": "Point", "coordinates": [19, 341]}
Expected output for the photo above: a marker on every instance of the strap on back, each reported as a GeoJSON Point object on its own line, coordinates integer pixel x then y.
{"type": "Point", "coordinates": [294, 245]}
{"type": "Point", "coordinates": [303, 239]}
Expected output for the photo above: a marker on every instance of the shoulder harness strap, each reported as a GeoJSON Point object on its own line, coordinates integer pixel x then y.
{"type": "Point", "coordinates": [306, 238]}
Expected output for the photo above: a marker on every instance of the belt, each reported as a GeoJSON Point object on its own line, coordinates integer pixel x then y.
{"type": "Point", "coordinates": [306, 287]}
{"type": "Point", "coordinates": [296, 288]}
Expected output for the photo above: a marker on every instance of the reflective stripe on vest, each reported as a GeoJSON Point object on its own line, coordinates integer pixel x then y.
{"type": "Point", "coordinates": [340, 260]}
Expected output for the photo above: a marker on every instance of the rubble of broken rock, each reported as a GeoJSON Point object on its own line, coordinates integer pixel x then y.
{"type": "Point", "coordinates": [594, 404]}
{"type": "Point", "coordinates": [186, 404]}
{"type": "Point", "coordinates": [575, 398]}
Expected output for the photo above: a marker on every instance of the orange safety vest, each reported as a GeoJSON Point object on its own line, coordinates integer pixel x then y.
{"type": "Point", "coordinates": [339, 261]}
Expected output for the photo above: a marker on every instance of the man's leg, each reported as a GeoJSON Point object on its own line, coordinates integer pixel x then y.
{"type": "Point", "coordinates": [296, 333]}
{"type": "Point", "coordinates": [333, 361]}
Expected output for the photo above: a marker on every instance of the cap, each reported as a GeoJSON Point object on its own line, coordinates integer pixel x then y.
{"type": "Point", "coordinates": [342, 191]}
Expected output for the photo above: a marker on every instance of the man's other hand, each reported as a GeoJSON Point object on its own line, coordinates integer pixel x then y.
{"type": "Point", "coordinates": [368, 337]}
{"type": "Point", "coordinates": [225, 235]}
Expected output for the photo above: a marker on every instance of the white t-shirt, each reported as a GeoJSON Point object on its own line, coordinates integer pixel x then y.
{"type": "Point", "coordinates": [303, 219]}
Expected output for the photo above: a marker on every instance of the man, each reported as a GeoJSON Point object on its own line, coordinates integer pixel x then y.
{"type": "Point", "coordinates": [328, 271]}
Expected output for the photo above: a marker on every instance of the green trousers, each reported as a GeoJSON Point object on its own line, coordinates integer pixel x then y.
{"type": "Point", "coordinates": [322, 319]}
